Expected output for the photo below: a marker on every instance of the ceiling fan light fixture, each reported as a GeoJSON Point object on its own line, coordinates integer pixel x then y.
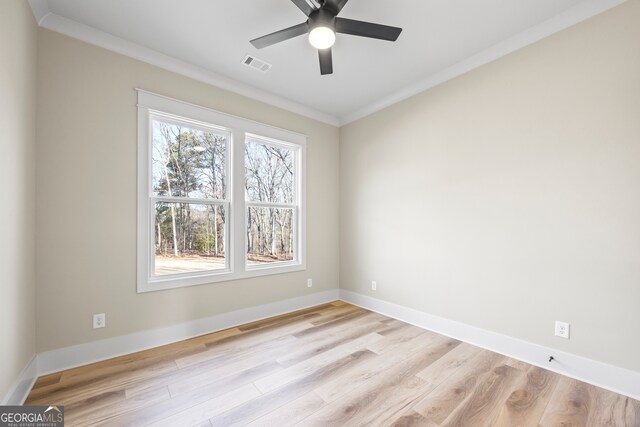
{"type": "Point", "coordinates": [322, 37]}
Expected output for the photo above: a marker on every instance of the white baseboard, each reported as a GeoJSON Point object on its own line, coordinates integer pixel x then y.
{"type": "Point", "coordinates": [22, 386]}
{"type": "Point", "coordinates": [83, 354]}
{"type": "Point", "coordinates": [600, 374]}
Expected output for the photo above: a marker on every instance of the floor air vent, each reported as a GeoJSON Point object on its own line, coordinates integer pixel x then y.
{"type": "Point", "coordinates": [256, 64]}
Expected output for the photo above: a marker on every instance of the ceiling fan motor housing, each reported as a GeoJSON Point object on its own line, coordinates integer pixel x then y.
{"type": "Point", "coordinates": [322, 18]}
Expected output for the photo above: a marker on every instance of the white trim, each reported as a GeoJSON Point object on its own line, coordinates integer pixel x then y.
{"type": "Point", "coordinates": [107, 41]}
{"type": "Point", "coordinates": [40, 9]}
{"type": "Point", "coordinates": [151, 105]}
{"type": "Point", "coordinates": [616, 379]}
{"type": "Point", "coordinates": [206, 115]}
{"type": "Point", "coordinates": [610, 377]}
{"type": "Point", "coordinates": [566, 19]}
{"type": "Point", "coordinates": [84, 354]}
{"type": "Point", "coordinates": [21, 387]}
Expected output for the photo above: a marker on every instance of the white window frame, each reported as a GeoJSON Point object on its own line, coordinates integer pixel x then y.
{"type": "Point", "coordinates": [153, 105]}
{"type": "Point", "coordinates": [296, 194]}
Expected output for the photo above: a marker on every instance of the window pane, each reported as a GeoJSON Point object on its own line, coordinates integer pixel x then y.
{"type": "Point", "coordinates": [189, 237]}
{"type": "Point", "coordinates": [270, 236]}
{"type": "Point", "coordinates": [189, 162]}
{"type": "Point", "coordinates": [269, 173]}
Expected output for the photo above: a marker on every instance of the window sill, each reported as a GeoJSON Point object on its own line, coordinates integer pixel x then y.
{"type": "Point", "coordinates": [159, 284]}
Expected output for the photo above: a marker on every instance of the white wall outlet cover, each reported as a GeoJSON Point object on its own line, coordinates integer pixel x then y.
{"type": "Point", "coordinates": [309, 283]}
{"type": "Point", "coordinates": [562, 329]}
{"type": "Point", "coordinates": [374, 286]}
{"type": "Point", "coordinates": [99, 320]}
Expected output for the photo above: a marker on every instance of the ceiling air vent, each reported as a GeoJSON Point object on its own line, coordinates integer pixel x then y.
{"type": "Point", "coordinates": [256, 64]}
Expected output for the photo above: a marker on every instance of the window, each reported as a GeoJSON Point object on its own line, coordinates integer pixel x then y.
{"type": "Point", "coordinates": [219, 197]}
{"type": "Point", "coordinates": [271, 209]}
{"type": "Point", "coordinates": [189, 171]}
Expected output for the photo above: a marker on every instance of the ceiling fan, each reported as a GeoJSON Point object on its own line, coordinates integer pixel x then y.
{"type": "Point", "coordinates": [322, 26]}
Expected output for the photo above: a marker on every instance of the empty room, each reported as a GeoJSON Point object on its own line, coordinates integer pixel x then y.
{"type": "Point", "coordinates": [320, 213]}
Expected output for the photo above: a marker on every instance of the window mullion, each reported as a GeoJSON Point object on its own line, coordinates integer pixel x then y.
{"type": "Point", "coordinates": [271, 205]}
{"type": "Point", "coordinates": [172, 199]}
{"type": "Point", "coordinates": [238, 206]}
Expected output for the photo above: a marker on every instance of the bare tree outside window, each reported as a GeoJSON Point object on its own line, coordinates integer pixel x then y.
{"type": "Point", "coordinates": [271, 195]}
{"type": "Point", "coordinates": [189, 187]}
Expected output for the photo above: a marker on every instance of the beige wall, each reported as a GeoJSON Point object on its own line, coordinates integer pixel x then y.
{"type": "Point", "coordinates": [18, 37]}
{"type": "Point", "coordinates": [509, 197]}
{"type": "Point", "coordinates": [86, 193]}
{"type": "Point", "coordinates": [506, 198]}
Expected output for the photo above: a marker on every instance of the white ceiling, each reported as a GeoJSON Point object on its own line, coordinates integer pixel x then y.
{"type": "Point", "coordinates": [440, 39]}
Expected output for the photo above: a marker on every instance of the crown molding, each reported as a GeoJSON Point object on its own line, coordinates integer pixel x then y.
{"type": "Point", "coordinates": [566, 19]}
{"type": "Point", "coordinates": [93, 36]}
{"type": "Point", "coordinates": [40, 9]}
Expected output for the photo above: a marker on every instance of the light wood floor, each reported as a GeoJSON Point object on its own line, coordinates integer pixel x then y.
{"type": "Point", "coordinates": [331, 365]}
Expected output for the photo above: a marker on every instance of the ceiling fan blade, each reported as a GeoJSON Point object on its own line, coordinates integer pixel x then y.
{"type": "Point", "coordinates": [367, 29]}
{"type": "Point", "coordinates": [326, 63]}
{"type": "Point", "coordinates": [280, 36]}
{"type": "Point", "coordinates": [335, 5]}
{"type": "Point", "coordinates": [303, 6]}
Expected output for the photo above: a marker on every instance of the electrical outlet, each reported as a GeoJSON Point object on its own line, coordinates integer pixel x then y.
{"type": "Point", "coordinates": [309, 283]}
{"type": "Point", "coordinates": [374, 286]}
{"type": "Point", "coordinates": [562, 329]}
{"type": "Point", "coordinates": [99, 320]}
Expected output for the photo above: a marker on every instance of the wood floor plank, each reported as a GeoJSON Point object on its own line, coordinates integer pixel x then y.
{"type": "Point", "coordinates": [529, 399]}
{"type": "Point", "coordinates": [575, 403]}
{"type": "Point", "coordinates": [319, 329]}
{"type": "Point", "coordinates": [518, 364]}
{"type": "Point", "coordinates": [569, 406]}
{"type": "Point", "coordinates": [370, 370]}
{"type": "Point", "coordinates": [203, 411]}
{"type": "Point", "coordinates": [398, 400]}
{"type": "Point", "coordinates": [450, 363]}
{"type": "Point", "coordinates": [73, 391]}
{"type": "Point", "coordinates": [194, 396]}
{"type": "Point", "coordinates": [411, 419]}
{"type": "Point", "coordinates": [375, 397]}
{"type": "Point", "coordinates": [481, 407]}
{"type": "Point", "coordinates": [257, 342]}
{"type": "Point", "coordinates": [444, 399]}
{"type": "Point", "coordinates": [147, 357]}
{"type": "Point", "coordinates": [306, 314]}
{"type": "Point", "coordinates": [315, 363]}
{"type": "Point", "coordinates": [335, 314]}
{"type": "Point", "coordinates": [47, 380]}
{"type": "Point", "coordinates": [395, 337]}
{"type": "Point", "coordinates": [330, 365]}
{"type": "Point", "coordinates": [291, 413]}
{"type": "Point", "coordinates": [256, 369]}
{"type": "Point", "coordinates": [89, 412]}
{"type": "Point", "coordinates": [122, 371]}
{"type": "Point", "coordinates": [615, 410]}
{"type": "Point", "coordinates": [310, 346]}
{"type": "Point", "coordinates": [268, 402]}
